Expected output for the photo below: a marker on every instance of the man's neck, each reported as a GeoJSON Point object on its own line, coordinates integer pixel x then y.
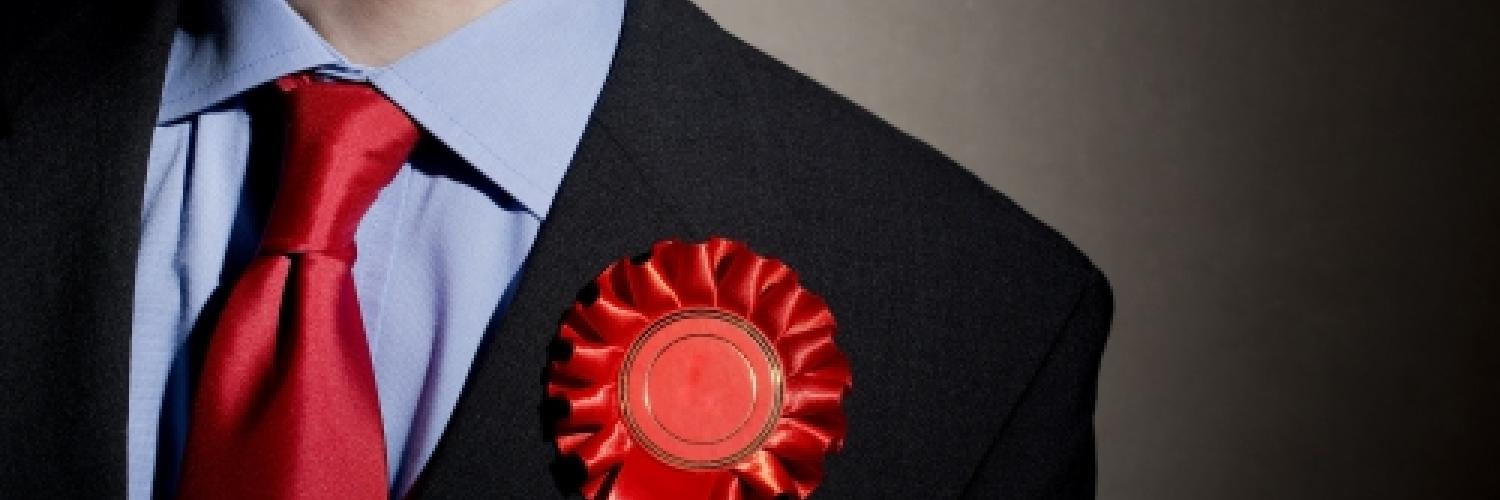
{"type": "Point", "coordinates": [378, 32]}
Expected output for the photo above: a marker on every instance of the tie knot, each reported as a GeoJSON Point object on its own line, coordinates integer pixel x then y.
{"type": "Point", "coordinates": [345, 141]}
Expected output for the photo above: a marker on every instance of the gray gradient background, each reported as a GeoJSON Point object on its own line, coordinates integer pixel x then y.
{"type": "Point", "coordinates": [1296, 202]}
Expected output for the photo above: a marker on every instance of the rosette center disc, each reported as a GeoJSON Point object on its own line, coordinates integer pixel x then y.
{"type": "Point", "coordinates": [701, 388]}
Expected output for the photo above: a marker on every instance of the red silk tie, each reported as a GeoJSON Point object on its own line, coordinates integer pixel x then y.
{"type": "Point", "coordinates": [286, 406]}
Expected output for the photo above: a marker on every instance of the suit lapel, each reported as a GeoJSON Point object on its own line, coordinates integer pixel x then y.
{"type": "Point", "coordinates": [695, 131]}
{"type": "Point", "coordinates": [494, 445]}
{"type": "Point", "coordinates": [81, 86]}
{"type": "Point", "coordinates": [609, 206]}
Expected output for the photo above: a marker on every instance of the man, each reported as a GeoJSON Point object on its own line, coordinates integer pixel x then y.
{"type": "Point", "coordinates": [555, 138]}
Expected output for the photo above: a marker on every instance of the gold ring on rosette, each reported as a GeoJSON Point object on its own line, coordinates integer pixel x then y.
{"type": "Point", "coordinates": [701, 388]}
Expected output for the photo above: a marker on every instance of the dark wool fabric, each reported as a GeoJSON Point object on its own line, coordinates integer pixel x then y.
{"type": "Point", "coordinates": [974, 330]}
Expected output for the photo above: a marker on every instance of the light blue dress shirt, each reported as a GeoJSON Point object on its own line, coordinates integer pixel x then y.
{"type": "Point", "coordinates": [503, 100]}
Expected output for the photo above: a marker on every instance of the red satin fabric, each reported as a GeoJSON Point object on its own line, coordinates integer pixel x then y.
{"type": "Point", "coordinates": [720, 274]}
{"type": "Point", "coordinates": [286, 407]}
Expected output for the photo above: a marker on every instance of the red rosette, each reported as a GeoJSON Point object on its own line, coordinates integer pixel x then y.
{"type": "Point", "coordinates": [699, 371]}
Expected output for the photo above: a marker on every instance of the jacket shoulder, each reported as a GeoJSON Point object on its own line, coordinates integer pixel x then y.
{"type": "Point", "coordinates": [748, 143]}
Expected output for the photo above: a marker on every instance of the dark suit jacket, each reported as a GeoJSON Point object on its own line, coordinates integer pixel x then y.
{"type": "Point", "coordinates": [974, 330]}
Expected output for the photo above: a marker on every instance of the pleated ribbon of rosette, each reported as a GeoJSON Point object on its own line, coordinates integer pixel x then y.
{"type": "Point", "coordinates": [699, 371]}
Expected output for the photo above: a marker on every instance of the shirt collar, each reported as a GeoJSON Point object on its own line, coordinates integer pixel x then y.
{"type": "Point", "coordinates": [509, 93]}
